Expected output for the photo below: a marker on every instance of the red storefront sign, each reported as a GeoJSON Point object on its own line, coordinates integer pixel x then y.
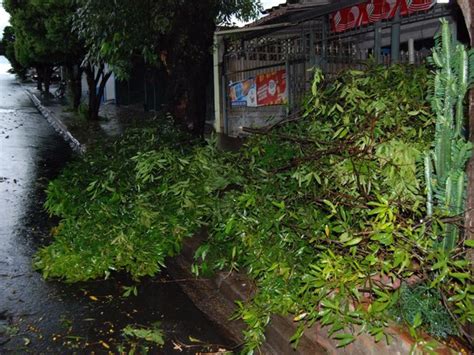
{"type": "Point", "coordinates": [271, 88]}
{"type": "Point", "coordinates": [375, 10]}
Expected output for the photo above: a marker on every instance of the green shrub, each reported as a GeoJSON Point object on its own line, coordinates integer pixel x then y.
{"type": "Point", "coordinates": [128, 206]}
{"type": "Point", "coordinates": [425, 302]}
{"type": "Point", "coordinates": [324, 213]}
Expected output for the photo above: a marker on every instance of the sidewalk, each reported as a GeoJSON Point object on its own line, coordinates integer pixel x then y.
{"type": "Point", "coordinates": [79, 132]}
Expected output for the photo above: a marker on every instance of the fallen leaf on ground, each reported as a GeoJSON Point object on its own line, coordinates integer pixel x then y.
{"type": "Point", "coordinates": [177, 346]}
{"type": "Point", "coordinates": [195, 340]}
{"type": "Point", "coordinates": [104, 344]}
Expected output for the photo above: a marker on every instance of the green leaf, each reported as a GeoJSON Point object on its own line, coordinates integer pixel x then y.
{"type": "Point", "coordinates": [417, 321]}
{"type": "Point", "coordinates": [439, 264]}
{"type": "Point", "coordinates": [344, 339]}
{"type": "Point", "coordinates": [462, 276]}
{"type": "Point", "coordinates": [469, 243]}
{"type": "Point", "coordinates": [352, 242]}
{"type": "Point", "coordinates": [328, 304]}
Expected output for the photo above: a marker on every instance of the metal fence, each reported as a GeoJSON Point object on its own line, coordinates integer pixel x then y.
{"type": "Point", "coordinates": [300, 48]}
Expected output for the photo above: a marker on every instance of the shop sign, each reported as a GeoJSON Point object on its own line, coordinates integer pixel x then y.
{"type": "Point", "coordinates": [271, 88]}
{"type": "Point", "coordinates": [243, 93]}
{"type": "Point", "coordinates": [374, 11]}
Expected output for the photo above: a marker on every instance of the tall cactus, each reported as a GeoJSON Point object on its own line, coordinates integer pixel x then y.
{"type": "Point", "coordinates": [445, 164]}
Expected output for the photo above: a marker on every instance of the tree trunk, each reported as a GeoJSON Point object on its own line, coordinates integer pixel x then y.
{"type": "Point", "coordinates": [187, 97]}
{"type": "Point", "coordinates": [74, 82]}
{"type": "Point", "coordinates": [93, 111]}
{"type": "Point", "coordinates": [198, 96]}
{"type": "Point", "coordinates": [467, 7]}
{"type": "Point", "coordinates": [47, 71]}
{"type": "Point", "coordinates": [96, 81]}
{"type": "Point", "coordinates": [39, 75]}
{"type": "Point", "coordinates": [190, 67]}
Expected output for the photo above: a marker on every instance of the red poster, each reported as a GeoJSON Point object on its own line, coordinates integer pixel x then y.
{"type": "Point", "coordinates": [374, 11]}
{"type": "Point", "coordinates": [271, 88]}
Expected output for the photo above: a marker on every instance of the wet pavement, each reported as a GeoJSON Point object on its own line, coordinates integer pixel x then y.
{"type": "Point", "coordinates": [55, 318]}
{"type": "Point", "coordinates": [114, 120]}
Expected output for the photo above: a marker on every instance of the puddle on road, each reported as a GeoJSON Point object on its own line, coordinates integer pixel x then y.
{"type": "Point", "coordinates": [51, 317]}
{"type": "Point", "coordinates": [6, 111]}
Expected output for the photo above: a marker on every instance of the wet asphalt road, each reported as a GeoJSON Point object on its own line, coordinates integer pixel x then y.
{"type": "Point", "coordinates": [51, 317]}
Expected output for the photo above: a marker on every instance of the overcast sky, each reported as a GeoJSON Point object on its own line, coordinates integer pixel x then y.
{"type": "Point", "coordinates": [270, 3]}
{"type": "Point", "coordinates": [4, 16]}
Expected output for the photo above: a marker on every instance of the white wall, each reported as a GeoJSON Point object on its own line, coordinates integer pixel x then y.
{"type": "Point", "coordinates": [109, 92]}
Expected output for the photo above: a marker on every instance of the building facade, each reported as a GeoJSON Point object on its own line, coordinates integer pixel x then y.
{"type": "Point", "coordinates": [263, 71]}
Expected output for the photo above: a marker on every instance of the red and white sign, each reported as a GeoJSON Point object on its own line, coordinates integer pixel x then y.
{"type": "Point", "coordinates": [271, 88]}
{"type": "Point", "coordinates": [374, 11]}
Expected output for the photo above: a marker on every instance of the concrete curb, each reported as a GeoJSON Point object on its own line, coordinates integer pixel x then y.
{"type": "Point", "coordinates": [216, 298]}
{"type": "Point", "coordinates": [56, 123]}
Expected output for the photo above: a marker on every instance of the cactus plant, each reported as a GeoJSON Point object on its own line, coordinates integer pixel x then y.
{"type": "Point", "coordinates": [445, 163]}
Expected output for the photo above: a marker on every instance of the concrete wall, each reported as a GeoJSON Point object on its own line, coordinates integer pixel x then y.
{"type": "Point", "coordinates": [109, 92]}
{"type": "Point", "coordinates": [253, 117]}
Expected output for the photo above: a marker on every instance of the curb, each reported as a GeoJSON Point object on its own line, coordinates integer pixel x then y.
{"type": "Point", "coordinates": [56, 123]}
{"type": "Point", "coordinates": [216, 298]}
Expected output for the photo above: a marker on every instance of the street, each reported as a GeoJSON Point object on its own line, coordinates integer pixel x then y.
{"type": "Point", "coordinates": [51, 317]}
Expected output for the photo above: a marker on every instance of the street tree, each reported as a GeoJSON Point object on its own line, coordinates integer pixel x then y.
{"type": "Point", "coordinates": [173, 36]}
{"type": "Point", "coordinates": [44, 39]}
{"type": "Point", "coordinates": [32, 48]}
{"type": "Point", "coordinates": [65, 44]}
{"type": "Point", "coordinates": [8, 47]}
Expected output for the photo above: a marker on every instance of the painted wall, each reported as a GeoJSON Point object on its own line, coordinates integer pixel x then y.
{"type": "Point", "coordinates": [109, 92]}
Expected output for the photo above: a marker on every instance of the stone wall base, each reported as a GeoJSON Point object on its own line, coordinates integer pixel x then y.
{"type": "Point", "coordinates": [216, 297]}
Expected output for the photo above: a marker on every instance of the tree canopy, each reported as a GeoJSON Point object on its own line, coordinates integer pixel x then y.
{"type": "Point", "coordinates": [174, 36]}
{"type": "Point", "coordinates": [43, 33]}
{"type": "Point", "coordinates": [8, 50]}
{"type": "Point", "coordinates": [116, 30]}
{"type": "Point", "coordinates": [40, 29]}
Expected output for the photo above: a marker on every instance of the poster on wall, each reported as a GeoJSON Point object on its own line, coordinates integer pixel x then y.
{"type": "Point", "coordinates": [271, 88]}
{"type": "Point", "coordinates": [243, 93]}
{"type": "Point", "coordinates": [374, 11]}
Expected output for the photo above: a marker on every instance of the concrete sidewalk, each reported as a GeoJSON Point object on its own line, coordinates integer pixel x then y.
{"type": "Point", "coordinates": [79, 132]}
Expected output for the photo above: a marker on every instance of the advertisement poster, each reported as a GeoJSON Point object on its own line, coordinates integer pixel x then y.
{"type": "Point", "coordinates": [271, 88]}
{"type": "Point", "coordinates": [243, 93]}
{"type": "Point", "coordinates": [374, 11]}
